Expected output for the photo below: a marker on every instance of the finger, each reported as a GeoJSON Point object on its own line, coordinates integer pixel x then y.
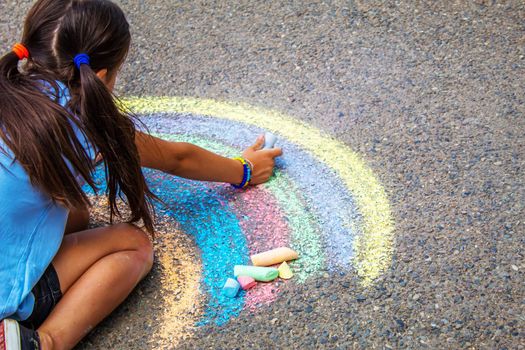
{"type": "Point", "coordinates": [259, 143]}
{"type": "Point", "coordinates": [276, 152]}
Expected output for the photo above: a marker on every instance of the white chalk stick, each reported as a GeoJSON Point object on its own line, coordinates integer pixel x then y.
{"type": "Point", "coordinates": [269, 140]}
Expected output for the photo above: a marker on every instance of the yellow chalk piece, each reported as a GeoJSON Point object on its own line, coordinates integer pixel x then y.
{"type": "Point", "coordinates": [285, 272]}
{"type": "Point", "coordinates": [274, 256]}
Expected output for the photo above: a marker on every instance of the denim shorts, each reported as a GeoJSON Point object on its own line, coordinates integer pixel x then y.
{"type": "Point", "coordinates": [47, 295]}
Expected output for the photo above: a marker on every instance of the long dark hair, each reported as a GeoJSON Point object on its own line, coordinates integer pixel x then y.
{"type": "Point", "coordinates": [38, 130]}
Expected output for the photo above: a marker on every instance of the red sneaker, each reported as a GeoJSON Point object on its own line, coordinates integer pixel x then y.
{"type": "Point", "coordinates": [16, 337]}
{"type": "Point", "coordinates": [9, 335]}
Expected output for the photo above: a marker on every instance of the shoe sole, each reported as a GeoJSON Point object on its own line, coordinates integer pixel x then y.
{"type": "Point", "coordinates": [11, 335]}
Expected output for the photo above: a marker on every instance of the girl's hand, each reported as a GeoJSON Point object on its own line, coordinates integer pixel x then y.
{"type": "Point", "coordinates": [263, 160]}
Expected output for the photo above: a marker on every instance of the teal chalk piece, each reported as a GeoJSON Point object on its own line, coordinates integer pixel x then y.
{"type": "Point", "coordinates": [258, 273]}
{"type": "Point", "coordinates": [231, 288]}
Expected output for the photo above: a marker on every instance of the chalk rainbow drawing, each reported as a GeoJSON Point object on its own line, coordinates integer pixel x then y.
{"type": "Point", "coordinates": [322, 201]}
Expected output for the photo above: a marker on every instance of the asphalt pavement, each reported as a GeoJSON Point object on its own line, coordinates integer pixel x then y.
{"type": "Point", "coordinates": [429, 94]}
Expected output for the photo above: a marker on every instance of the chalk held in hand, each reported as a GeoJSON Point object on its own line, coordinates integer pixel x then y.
{"type": "Point", "coordinates": [246, 282]}
{"type": "Point", "coordinates": [274, 256]}
{"type": "Point", "coordinates": [231, 288]}
{"type": "Point", "coordinates": [269, 140]}
{"type": "Point", "coordinates": [285, 272]}
{"type": "Point", "coordinates": [264, 274]}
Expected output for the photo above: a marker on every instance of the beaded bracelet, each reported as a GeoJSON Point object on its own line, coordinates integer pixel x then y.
{"type": "Point", "coordinates": [247, 175]}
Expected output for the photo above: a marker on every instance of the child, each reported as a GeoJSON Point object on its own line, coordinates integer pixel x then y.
{"type": "Point", "coordinates": [58, 278]}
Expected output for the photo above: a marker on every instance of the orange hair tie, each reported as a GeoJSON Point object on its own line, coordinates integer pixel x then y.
{"type": "Point", "coordinates": [21, 51]}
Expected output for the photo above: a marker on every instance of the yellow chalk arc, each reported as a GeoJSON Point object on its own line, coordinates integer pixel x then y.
{"type": "Point", "coordinates": [180, 284]}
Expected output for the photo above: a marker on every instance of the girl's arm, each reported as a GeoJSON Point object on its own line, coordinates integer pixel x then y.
{"type": "Point", "coordinates": [193, 162]}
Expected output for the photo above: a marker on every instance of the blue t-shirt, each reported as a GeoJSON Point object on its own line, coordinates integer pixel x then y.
{"type": "Point", "coordinates": [31, 230]}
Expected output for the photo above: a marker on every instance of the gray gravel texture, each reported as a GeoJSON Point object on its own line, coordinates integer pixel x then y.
{"type": "Point", "coordinates": [431, 94]}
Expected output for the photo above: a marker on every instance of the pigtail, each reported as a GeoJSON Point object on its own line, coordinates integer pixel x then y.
{"type": "Point", "coordinates": [93, 36]}
{"type": "Point", "coordinates": [8, 68]}
{"type": "Point", "coordinates": [113, 133]}
{"type": "Point", "coordinates": [37, 134]}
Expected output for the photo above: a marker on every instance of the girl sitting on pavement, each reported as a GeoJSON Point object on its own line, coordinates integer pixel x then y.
{"type": "Point", "coordinates": [57, 113]}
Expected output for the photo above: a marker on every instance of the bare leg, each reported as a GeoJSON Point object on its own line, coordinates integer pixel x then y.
{"type": "Point", "coordinates": [97, 270]}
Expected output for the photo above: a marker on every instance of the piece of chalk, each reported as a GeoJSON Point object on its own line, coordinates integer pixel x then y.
{"type": "Point", "coordinates": [231, 288]}
{"type": "Point", "coordinates": [269, 140]}
{"type": "Point", "coordinates": [246, 282]}
{"type": "Point", "coordinates": [264, 274]}
{"type": "Point", "coordinates": [285, 272]}
{"type": "Point", "coordinates": [274, 256]}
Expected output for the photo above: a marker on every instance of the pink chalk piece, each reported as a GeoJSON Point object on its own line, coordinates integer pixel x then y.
{"type": "Point", "coordinates": [246, 282]}
{"type": "Point", "coordinates": [274, 256]}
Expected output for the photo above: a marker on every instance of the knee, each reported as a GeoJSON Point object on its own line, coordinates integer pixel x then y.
{"type": "Point", "coordinates": [147, 255]}
{"type": "Point", "coordinates": [139, 241]}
